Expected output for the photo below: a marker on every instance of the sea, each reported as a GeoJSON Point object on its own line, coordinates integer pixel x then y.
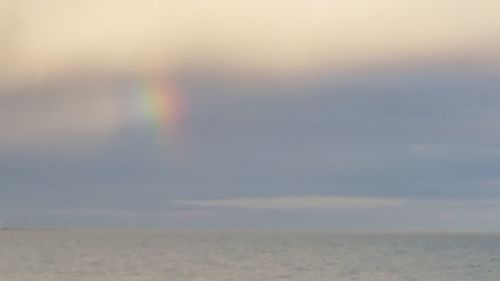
{"type": "Point", "coordinates": [246, 256]}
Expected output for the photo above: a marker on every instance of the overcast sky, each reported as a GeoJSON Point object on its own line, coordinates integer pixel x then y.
{"type": "Point", "coordinates": [322, 115]}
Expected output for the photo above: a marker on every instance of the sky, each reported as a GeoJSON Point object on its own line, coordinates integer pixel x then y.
{"type": "Point", "coordinates": [356, 115]}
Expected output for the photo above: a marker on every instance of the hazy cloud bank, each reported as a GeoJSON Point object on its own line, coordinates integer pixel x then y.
{"type": "Point", "coordinates": [54, 37]}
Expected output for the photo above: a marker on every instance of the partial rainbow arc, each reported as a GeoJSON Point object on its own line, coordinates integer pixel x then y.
{"type": "Point", "coordinates": [155, 105]}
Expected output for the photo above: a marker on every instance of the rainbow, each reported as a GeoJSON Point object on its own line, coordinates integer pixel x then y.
{"type": "Point", "coordinates": [154, 105]}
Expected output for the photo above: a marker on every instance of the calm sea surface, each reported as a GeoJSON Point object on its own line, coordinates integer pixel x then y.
{"type": "Point", "coordinates": [74, 255]}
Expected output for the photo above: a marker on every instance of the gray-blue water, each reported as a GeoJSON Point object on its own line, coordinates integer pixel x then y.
{"type": "Point", "coordinates": [80, 255]}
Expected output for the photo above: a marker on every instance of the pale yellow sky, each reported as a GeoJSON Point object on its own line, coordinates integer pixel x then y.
{"type": "Point", "coordinates": [45, 38]}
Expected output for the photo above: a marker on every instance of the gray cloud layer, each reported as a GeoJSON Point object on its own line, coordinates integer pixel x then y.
{"type": "Point", "coordinates": [425, 133]}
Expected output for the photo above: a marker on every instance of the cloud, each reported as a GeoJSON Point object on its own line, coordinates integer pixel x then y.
{"type": "Point", "coordinates": [298, 203]}
{"type": "Point", "coordinates": [294, 203]}
{"type": "Point", "coordinates": [412, 215]}
{"type": "Point", "coordinates": [363, 213]}
{"type": "Point", "coordinates": [59, 116]}
{"type": "Point", "coordinates": [412, 133]}
{"type": "Point", "coordinates": [55, 37]}
{"type": "Point", "coordinates": [124, 213]}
